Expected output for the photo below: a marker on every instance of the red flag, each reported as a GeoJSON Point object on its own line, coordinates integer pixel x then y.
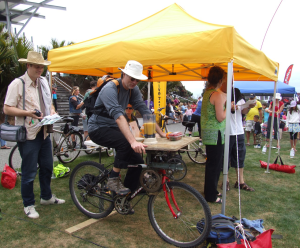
{"type": "Point", "coordinates": [288, 74]}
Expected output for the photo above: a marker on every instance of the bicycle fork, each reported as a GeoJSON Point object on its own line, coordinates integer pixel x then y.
{"type": "Point", "coordinates": [166, 190]}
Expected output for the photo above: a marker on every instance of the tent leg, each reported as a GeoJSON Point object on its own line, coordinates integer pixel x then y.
{"type": "Point", "coordinates": [272, 125]}
{"type": "Point", "coordinates": [226, 147]}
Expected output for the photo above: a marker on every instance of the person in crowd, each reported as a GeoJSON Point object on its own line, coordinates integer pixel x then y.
{"type": "Point", "coordinates": [292, 122]}
{"type": "Point", "coordinates": [37, 149]}
{"type": "Point", "coordinates": [199, 100]}
{"type": "Point", "coordinates": [178, 112]}
{"type": "Point", "coordinates": [54, 94]}
{"type": "Point", "coordinates": [279, 105]}
{"type": "Point", "coordinates": [196, 117]}
{"type": "Point", "coordinates": [176, 101]}
{"type": "Point", "coordinates": [266, 117]}
{"type": "Point", "coordinates": [129, 115]}
{"type": "Point", "coordinates": [172, 112]}
{"type": "Point", "coordinates": [3, 144]}
{"type": "Point", "coordinates": [151, 106]}
{"type": "Point", "coordinates": [189, 113]}
{"type": "Point", "coordinates": [183, 108]}
{"type": "Point", "coordinates": [213, 114]}
{"type": "Point", "coordinates": [257, 110]}
{"type": "Point", "coordinates": [237, 137]}
{"type": "Point", "coordinates": [257, 132]}
{"type": "Point", "coordinates": [168, 99]}
{"type": "Point", "coordinates": [193, 106]}
{"type": "Point", "coordinates": [75, 109]}
{"type": "Point", "coordinates": [108, 126]}
{"type": "Point", "coordinates": [93, 86]}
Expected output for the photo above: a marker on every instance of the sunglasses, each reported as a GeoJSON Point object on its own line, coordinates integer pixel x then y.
{"type": "Point", "coordinates": [134, 79]}
{"type": "Point", "coordinates": [129, 108]}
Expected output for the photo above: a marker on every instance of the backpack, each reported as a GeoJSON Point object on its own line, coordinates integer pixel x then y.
{"type": "Point", "coordinates": [222, 230]}
{"type": "Point", "coordinates": [89, 102]}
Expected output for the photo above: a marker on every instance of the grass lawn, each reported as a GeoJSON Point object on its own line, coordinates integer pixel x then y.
{"type": "Point", "coordinates": [276, 200]}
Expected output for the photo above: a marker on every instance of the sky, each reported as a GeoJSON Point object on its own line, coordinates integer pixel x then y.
{"type": "Point", "coordinates": [84, 20]}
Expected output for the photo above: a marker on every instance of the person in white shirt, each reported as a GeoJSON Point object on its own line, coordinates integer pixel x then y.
{"type": "Point", "coordinates": [237, 137]}
{"type": "Point", "coordinates": [292, 122]}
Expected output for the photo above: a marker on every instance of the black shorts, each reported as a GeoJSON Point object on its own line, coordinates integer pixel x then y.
{"type": "Point", "coordinates": [233, 150]}
{"type": "Point", "coordinates": [112, 137]}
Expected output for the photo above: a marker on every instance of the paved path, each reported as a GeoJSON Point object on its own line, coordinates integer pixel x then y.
{"type": "Point", "coordinates": [4, 153]}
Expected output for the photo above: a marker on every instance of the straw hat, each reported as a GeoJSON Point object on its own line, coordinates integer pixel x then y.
{"type": "Point", "coordinates": [134, 69]}
{"type": "Point", "coordinates": [35, 58]}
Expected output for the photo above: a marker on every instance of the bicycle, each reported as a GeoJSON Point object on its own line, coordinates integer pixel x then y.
{"type": "Point", "coordinates": [195, 151]}
{"type": "Point", "coordinates": [174, 208]}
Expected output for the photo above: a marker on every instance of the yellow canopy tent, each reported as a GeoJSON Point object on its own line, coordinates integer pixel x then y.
{"type": "Point", "coordinates": [171, 44]}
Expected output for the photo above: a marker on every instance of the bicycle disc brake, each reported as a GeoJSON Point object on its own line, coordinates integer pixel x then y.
{"type": "Point", "coordinates": [150, 180]}
{"type": "Point", "coordinates": [177, 169]}
{"type": "Point", "coordinates": [122, 205]}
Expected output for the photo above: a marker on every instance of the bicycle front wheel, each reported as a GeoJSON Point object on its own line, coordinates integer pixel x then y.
{"type": "Point", "coordinates": [197, 153]}
{"type": "Point", "coordinates": [15, 160]}
{"type": "Point", "coordinates": [88, 190]}
{"type": "Point", "coordinates": [191, 208]}
{"type": "Point", "coordinates": [68, 150]}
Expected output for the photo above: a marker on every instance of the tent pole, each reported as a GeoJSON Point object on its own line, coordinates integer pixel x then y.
{"type": "Point", "coordinates": [272, 125]}
{"type": "Point", "coordinates": [227, 131]}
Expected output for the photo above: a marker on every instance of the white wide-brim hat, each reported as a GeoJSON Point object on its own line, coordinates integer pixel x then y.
{"type": "Point", "coordinates": [134, 69]}
{"type": "Point", "coordinates": [35, 58]}
{"type": "Point", "coordinates": [293, 104]}
{"type": "Point", "coordinates": [278, 96]}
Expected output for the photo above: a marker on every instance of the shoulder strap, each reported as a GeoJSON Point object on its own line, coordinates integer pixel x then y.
{"type": "Point", "coordinates": [117, 83]}
{"type": "Point", "coordinates": [6, 118]}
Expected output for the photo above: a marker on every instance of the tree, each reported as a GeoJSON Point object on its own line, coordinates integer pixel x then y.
{"type": "Point", "coordinates": [10, 52]}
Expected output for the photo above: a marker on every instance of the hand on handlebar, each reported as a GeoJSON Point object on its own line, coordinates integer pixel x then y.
{"type": "Point", "coordinates": [138, 147]}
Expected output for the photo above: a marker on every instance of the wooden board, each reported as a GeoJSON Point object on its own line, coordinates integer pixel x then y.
{"type": "Point", "coordinates": [164, 144]}
{"type": "Point", "coordinates": [86, 223]}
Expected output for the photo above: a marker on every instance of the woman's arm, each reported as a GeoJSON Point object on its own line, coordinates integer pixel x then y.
{"type": "Point", "coordinates": [218, 101]}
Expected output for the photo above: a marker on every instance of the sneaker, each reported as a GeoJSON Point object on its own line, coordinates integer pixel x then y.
{"type": "Point", "coordinates": [255, 146]}
{"type": "Point", "coordinates": [258, 146]}
{"type": "Point", "coordinates": [30, 212]}
{"type": "Point", "coordinates": [115, 184]}
{"type": "Point", "coordinates": [52, 200]}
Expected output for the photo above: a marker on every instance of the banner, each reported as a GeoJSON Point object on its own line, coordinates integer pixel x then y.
{"type": "Point", "coordinates": [288, 74]}
{"type": "Point", "coordinates": [159, 97]}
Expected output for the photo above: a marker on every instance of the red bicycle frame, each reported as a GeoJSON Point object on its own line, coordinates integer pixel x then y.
{"type": "Point", "coordinates": [164, 180]}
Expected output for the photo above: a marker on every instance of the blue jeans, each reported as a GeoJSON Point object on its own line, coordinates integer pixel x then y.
{"type": "Point", "coordinates": [3, 142]}
{"type": "Point", "coordinates": [33, 152]}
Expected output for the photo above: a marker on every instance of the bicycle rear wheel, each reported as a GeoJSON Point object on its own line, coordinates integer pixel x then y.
{"type": "Point", "coordinates": [182, 231]}
{"type": "Point", "coordinates": [15, 160]}
{"type": "Point", "coordinates": [88, 190]}
{"type": "Point", "coordinates": [68, 153]}
{"type": "Point", "coordinates": [197, 153]}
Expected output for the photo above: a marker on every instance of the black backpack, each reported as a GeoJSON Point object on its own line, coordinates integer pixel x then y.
{"type": "Point", "coordinates": [89, 102]}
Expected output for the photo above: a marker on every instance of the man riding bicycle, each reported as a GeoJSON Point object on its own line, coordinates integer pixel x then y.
{"type": "Point", "coordinates": [108, 126]}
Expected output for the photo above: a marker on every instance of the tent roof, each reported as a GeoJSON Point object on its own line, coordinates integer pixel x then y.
{"type": "Point", "coordinates": [171, 44]}
{"type": "Point", "coordinates": [265, 89]}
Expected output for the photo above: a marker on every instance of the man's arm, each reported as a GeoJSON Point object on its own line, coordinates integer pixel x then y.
{"type": "Point", "coordinates": [13, 111]}
{"type": "Point", "coordinates": [123, 126]}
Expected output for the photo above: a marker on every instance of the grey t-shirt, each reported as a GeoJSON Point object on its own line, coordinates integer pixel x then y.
{"type": "Point", "coordinates": [115, 104]}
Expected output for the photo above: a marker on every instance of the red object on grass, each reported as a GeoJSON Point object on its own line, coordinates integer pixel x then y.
{"type": "Point", "coordinates": [8, 177]}
{"type": "Point", "coordinates": [262, 241]}
{"type": "Point", "coordinates": [277, 167]}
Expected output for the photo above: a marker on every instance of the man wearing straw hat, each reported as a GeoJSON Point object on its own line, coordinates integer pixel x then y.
{"type": "Point", "coordinates": [108, 127]}
{"type": "Point", "coordinates": [37, 148]}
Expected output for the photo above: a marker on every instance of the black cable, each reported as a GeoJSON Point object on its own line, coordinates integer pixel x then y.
{"type": "Point", "coordinates": [19, 218]}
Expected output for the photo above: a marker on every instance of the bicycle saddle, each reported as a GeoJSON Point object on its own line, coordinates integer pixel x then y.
{"type": "Point", "coordinates": [160, 109]}
{"type": "Point", "coordinates": [188, 124]}
{"type": "Point", "coordinates": [68, 119]}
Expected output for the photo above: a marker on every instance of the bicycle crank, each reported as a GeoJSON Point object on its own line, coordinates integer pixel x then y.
{"type": "Point", "coordinates": [122, 205]}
